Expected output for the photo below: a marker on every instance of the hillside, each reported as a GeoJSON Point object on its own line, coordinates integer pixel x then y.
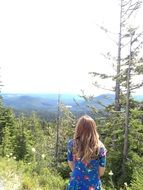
{"type": "Point", "coordinates": [48, 102]}
{"type": "Point", "coordinates": [37, 101]}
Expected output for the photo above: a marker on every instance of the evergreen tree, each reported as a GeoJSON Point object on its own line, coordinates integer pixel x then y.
{"type": "Point", "coordinates": [7, 124]}
{"type": "Point", "coordinates": [132, 67]}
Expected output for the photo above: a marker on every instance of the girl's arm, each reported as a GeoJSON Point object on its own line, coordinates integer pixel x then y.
{"type": "Point", "coordinates": [71, 165]}
{"type": "Point", "coordinates": [70, 155]}
{"type": "Point", "coordinates": [102, 160]}
{"type": "Point", "coordinates": [101, 171]}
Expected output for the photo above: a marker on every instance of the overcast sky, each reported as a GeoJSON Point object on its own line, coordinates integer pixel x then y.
{"type": "Point", "coordinates": [51, 45]}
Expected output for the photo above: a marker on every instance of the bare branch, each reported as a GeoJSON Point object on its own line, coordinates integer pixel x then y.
{"type": "Point", "coordinates": [138, 36]}
{"type": "Point", "coordinates": [105, 29]}
{"type": "Point", "coordinates": [101, 75]}
{"type": "Point", "coordinates": [136, 6]}
{"type": "Point", "coordinates": [108, 56]}
{"type": "Point", "coordinates": [137, 86]}
{"type": "Point", "coordinates": [124, 5]}
{"type": "Point", "coordinates": [107, 33]}
{"type": "Point", "coordinates": [125, 12]}
{"type": "Point", "coordinates": [95, 84]}
{"type": "Point", "coordinates": [138, 47]}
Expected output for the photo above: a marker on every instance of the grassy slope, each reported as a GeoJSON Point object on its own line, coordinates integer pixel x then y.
{"type": "Point", "coordinates": [19, 176]}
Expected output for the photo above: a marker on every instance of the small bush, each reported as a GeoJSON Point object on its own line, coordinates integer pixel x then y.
{"type": "Point", "coordinates": [137, 181]}
{"type": "Point", "coordinates": [21, 176]}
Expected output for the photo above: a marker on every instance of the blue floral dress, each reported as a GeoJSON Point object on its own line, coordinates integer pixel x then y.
{"type": "Point", "coordinates": [85, 175]}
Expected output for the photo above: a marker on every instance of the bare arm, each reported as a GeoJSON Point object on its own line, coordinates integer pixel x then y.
{"type": "Point", "coordinates": [101, 171]}
{"type": "Point", "coordinates": [71, 165]}
{"type": "Point", "coordinates": [102, 160]}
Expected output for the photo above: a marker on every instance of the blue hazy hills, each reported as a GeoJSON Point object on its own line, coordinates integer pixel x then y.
{"type": "Point", "coordinates": [50, 101]}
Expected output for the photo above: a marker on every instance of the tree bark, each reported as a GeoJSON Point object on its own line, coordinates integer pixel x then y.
{"type": "Point", "coordinates": [127, 114]}
{"type": "Point", "coordinates": [117, 86]}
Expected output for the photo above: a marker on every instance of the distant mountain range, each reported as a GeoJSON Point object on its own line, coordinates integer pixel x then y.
{"type": "Point", "coordinates": [34, 102]}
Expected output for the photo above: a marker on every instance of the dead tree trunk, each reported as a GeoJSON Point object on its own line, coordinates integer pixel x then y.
{"type": "Point", "coordinates": [127, 109]}
{"type": "Point", "coordinates": [117, 85]}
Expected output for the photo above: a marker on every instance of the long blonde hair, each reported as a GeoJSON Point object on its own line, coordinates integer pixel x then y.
{"type": "Point", "coordinates": [86, 139]}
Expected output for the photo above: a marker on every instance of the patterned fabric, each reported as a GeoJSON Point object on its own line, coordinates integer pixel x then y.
{"type": "Point", "coordinates": [85, 176]}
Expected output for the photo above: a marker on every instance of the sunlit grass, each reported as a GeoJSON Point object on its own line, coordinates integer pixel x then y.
{"type": "Point", "coordinates": [9, 175]}
{"type": "Point", "coordinates": [19, 176]}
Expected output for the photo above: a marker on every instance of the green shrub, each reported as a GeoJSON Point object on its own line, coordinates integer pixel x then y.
{"type": "Point", "coordinates": [64, 170]}
{"type": "Point", "coordinates": [25, 177]}
{"type": "Point", "coordinates": [137, 181]}
{"type": "Point", "coordinates": [28, 183]}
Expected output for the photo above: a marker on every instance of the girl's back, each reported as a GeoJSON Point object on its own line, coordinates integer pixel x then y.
{"type": "Point", "coordinates": [86, 156]}
{"type": "Point", "coordinates": [85, 175]}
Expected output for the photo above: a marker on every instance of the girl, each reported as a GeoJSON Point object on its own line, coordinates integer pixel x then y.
{"type": "Point", "coordinates": [86, 156]}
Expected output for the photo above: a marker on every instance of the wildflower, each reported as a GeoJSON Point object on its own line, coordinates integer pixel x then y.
{"type": "Point", "coordinates": [126, 184]}
{"type": "Point", "coordinates": [110, 173]}
{"type": "Point", "coordinates": [14, 157]}
{"type": "Point", "coordinates": [43, 156]}
{"type": "Point", "coordinates": [7, 155]}
{"type": "Point", "coordinates": [33, 150]}
{"type": "Point", "coordinates": [10, 154]}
